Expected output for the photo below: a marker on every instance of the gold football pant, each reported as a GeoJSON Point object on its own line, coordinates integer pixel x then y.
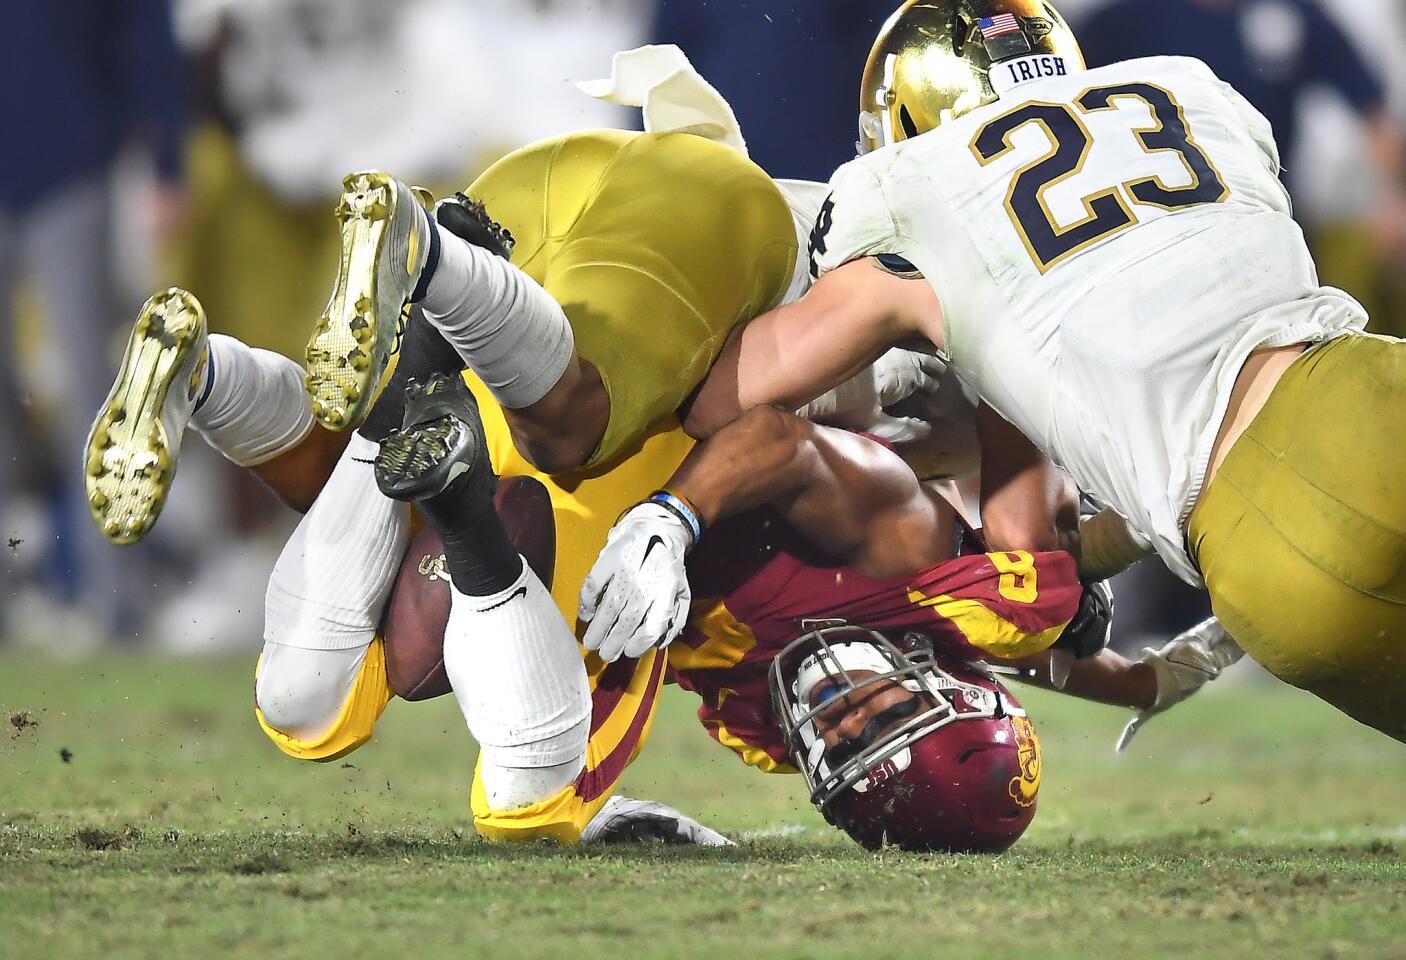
{"type": "Point", "coordinates": [655, 245]}
{"type": "Point", "coordinates": [1301, 534]}
{"type": "Point", "coordinates": [624, 694]}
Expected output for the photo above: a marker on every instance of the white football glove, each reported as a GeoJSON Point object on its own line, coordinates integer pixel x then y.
{"type": "Point", "coordinates": [1185, 664]}
{"type": "Point", "coordinates": [623, 820]}
{"type": "Point", "coordinates": [636, 596]}
{"type": "Point", "coordinates": [859, 402]}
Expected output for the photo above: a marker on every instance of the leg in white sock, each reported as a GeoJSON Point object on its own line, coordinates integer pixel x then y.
{"type": "Point", "coordinates": [253, 405]}
{"type": "Point", "coordinates": [520, 681]}
{"type": "Point", "coordinates": [330, 584]}
{"type": "Point", "coordinates": [506, 327]}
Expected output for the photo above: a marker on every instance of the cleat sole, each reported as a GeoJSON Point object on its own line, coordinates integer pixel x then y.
{"type": "Point", "coordinates": [129, 462]}
{"type": "Point", "coordinates": [340, 372]}
{"type": "Point", "coordinates": [407, 458]}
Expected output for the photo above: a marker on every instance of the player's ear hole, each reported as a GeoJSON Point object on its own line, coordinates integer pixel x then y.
{"type": "Point", "coordinates": [905, 120]}
{"type": "Point", "coordinates": [960, 29]}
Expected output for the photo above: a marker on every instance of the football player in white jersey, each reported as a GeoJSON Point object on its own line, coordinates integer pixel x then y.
{"type": "Point", "coordinates": [1108, 258]}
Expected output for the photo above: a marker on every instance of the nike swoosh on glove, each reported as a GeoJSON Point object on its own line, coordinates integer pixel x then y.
{"type": "Point", "coordinates": [636, 597]}
{"type": "Point", "coordinates": [623, 820]}
{"type": "Point", "coordinates": [1183, 665]}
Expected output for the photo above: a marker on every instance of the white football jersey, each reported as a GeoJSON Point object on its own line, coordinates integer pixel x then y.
{"type": "Point", "coordinates": [1108, 247]}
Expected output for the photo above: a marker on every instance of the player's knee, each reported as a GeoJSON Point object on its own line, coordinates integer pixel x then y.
{"type": "Point", "coordinates": [300, 707]}
{"type": "Point", "coordinates": [320, 704]}
{"type": "Point", "coordinates": [564, 429]}
{"type": "Point", "coordinates": [558, 452]}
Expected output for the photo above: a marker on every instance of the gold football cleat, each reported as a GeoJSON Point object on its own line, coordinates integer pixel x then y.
{"type": "Point", "coordinates": [134, 442]}
{"type": "Point", "coordinates": [385, 241]}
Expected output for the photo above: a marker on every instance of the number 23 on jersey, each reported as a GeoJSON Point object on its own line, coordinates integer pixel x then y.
{"type": "Point", "coordinates": [1107, 211]}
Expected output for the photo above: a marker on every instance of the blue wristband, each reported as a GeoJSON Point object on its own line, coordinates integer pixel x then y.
{"type": "Point", "coordinates": [678, 507]}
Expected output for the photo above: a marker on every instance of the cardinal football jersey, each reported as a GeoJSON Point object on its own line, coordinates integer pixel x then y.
{"type": "Point", "coordinates": [756, 581]}
{"type": "Point", "coordinates": [1108, 247]}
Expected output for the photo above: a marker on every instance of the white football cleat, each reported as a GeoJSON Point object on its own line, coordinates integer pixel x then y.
{"type": "Point", "coordinates": [623, 820]}
{"type": "Point", "coordinates": [1183, 665]}
{"type": "Point", "coordinates": [133, 445]}
{"type": "Point", "coordinates": [385, 243]}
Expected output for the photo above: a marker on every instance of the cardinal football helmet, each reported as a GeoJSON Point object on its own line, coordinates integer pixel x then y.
{"type": "Point", "coordinates": [958, 770]}
{"type": "Point", "coordinates": [934, 60]}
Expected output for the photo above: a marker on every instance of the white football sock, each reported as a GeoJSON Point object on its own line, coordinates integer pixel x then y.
{"type": "Point", "coordinates": [506, 327]}
{"type": "Point", "coordinates": [253, 405]}
{"type": "Point", "coordinates": [330, 584]}
{"type": "Point", "coordinates": [520, 681]}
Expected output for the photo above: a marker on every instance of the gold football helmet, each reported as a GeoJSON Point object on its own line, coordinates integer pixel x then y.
{"type": "Point", "coordinates": [933, 61]}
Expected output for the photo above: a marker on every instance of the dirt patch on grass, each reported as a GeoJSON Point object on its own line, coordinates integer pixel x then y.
{"type": "Point", "coordinates": [91, 838]}
{"type": "Point", "coordinates": [21, 721]}
{"type": "Point", "coordinates": [258, 864]}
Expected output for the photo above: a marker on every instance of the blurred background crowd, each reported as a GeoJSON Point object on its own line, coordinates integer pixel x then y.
{"type": "Point", "coordinates": [202, 142]}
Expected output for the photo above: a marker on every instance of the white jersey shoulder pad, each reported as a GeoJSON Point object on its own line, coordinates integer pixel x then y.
{"type": "Point", "coordinates": [854, 221]}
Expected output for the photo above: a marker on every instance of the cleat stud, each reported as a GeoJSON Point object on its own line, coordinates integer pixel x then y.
{"type": "Point", "coordinates": [111, 528]}
{"type": "Point", "coordinates": [98, 500]}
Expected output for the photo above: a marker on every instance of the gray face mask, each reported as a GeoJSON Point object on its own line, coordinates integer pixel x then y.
{"type": "Point", "coordinates": [830, 655]}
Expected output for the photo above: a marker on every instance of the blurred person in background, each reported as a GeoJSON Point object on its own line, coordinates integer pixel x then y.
{"type": "Point", "coordinates": [1277, 52]}
{"type": "Point", "coordinates": [788, 69]}
{"type": "Point", "coordinates": [1282, 55]}
{"type": "Point", "coordinates": [294, 93]}
{"type": "Point", "coordinates": [83, 84]}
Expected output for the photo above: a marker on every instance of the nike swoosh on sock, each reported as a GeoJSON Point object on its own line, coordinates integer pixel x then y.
{"type": "Point", "coordinates": [519, 592]}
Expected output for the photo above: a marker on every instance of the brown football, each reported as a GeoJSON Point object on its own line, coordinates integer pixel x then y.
{"type": "Point", "coordinates": [419, 604]}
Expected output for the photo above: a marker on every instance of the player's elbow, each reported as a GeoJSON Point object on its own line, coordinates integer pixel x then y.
{"type": "Point", "coordinates": [1019, 530]}
{"type": "Point", "coordinates": [1045, 517]}
{"type": "Point", "coordinates": [775, 435]}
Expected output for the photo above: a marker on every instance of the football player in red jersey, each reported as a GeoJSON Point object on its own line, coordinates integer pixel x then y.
{"type": "Point", "coordinates": [843, 621]}
{"type": "Point", "coordinates": [840, 616]}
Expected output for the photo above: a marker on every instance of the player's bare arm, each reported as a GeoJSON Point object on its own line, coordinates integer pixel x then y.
{"type": "Point", "coordinates": [791, 355]}
{"type": "Point", "coordinates": [847, 494]}
{"type": "Point", "coordinates": [1160, 679]}
{"type": "Point", "coordinates": [1026, 502]}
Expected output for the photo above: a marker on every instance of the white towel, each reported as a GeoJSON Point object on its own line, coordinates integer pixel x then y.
{"type": "Point", "coordinates": [675, 98]}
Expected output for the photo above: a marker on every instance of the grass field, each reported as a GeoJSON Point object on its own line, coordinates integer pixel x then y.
{"type": "Point", "coordinates": [142, 814]}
